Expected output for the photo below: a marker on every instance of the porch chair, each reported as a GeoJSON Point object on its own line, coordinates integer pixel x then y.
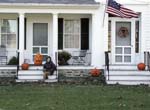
{"type": "Point", "coordinates": [79, 57]}
{"type": "Point", "coordinates": [3, 55]}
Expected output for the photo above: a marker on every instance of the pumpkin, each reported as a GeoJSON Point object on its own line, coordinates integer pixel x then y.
{"type": "Point", "coordinates": [25, 66]}
{"type": "Point", "coordinates": [141, 66]}
{"type": "Point", "coordinates": [95, 72]}
{"type": "Point", "coordinates": [38, 58]}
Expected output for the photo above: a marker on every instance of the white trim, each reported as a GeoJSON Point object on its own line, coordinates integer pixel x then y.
{"type": "Point", "coordinates": [92, 6]}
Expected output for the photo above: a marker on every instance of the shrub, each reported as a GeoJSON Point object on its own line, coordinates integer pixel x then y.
{"type": "Point", "coordinates": [13, 61]}
{"type": "Point", "coordinates": [63, 58]}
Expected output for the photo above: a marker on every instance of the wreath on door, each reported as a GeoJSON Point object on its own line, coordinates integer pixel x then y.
{"type": "Point", "coordinates": [123, 32]}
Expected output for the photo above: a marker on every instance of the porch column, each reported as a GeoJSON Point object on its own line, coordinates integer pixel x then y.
{"type": "Point", "coordinates": [21, 38]}
{"type": "Point", "coordinates": [97, 38]}
{"type": "Point", "coordinates": [55, 36]}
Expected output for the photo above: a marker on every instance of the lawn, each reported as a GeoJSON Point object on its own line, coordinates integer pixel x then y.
{"type": "Point", "coordinates": [74, 97]}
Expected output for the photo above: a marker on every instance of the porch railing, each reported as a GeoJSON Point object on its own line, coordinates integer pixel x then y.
{"type": "Point", "coordinates": [107, 62]}
{"type": "Point", "coordinates": [147, 59]}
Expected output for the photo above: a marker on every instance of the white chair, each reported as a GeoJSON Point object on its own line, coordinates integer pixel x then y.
{"type": "Point", "coordinates": [79, 57]}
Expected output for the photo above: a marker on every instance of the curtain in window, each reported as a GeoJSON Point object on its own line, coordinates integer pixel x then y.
{"type": "Point", "coordinates": [72, 34]}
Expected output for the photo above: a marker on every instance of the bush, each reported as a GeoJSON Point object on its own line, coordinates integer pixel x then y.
{"type": "Point", "coordinates": [63, 58]}
{"type": "Point", "coordinates": [13, 61]}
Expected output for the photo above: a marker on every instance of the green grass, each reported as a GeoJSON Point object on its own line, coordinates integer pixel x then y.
{"type": "Point", "coordinates": [74, 97]}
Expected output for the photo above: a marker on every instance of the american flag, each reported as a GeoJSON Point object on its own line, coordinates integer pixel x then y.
{"type": "Point", "coordinates": [119, 10]}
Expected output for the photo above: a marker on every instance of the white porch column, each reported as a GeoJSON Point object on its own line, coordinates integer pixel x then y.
{"type": "Point", "coordinates": [21, 38]}
{"type": "Point", "coordinates": [55, 35]}
{"type": "Point", "coordinates": [97, 41]}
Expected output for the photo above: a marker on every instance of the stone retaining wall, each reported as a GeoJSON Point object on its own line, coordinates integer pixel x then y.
{"type": "Point", "coordinates": [81, 76]}
{"type": "Point", "coordinates": [7, 76]}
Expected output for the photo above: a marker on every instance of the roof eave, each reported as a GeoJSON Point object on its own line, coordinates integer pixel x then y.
{"type": "Point", "coordinates": [92, 6]}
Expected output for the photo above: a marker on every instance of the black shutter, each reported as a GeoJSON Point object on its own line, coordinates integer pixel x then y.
{"type": "Point", "coordinates": [84, 33]}
{"type": "Point", "coordinates": [18, 33]}
{"type": "Point", "coordinates": [60, 33]}
{"type": "Point", "coordinates": [25, 29]}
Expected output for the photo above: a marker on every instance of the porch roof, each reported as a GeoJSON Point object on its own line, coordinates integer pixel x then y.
{"type": "Point", "coordinates": [50, 1]}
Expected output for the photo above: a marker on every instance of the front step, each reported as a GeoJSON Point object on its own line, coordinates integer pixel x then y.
{"type": "Point", "coordinates": [35, 76]}
{"type": "Point", "coordinates": [34, 80]}
{"type": "Point", "coordinates": [127, 77]}
{"type": "Point", "coordinates": [122, 67]}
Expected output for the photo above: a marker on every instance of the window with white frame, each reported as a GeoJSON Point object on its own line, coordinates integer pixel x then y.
{"type": "Point", "coordinates": [71, 34]}
{"type": "Point", "coordinates": [8, 33]}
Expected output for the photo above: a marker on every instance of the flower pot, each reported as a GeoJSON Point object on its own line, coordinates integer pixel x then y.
{"type": "Point", "coordinates": [95, 72]}
{"type": "Point", "coordinates": [25, 66]}
{"type": "Point", "coordinates": [141, 66]}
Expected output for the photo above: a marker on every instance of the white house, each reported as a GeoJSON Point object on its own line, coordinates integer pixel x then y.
{"type": "Point", "coordinates": [48, 26]}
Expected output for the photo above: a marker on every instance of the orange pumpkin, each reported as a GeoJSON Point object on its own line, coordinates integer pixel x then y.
{"type": "Point", "coordinates": [25, 66]}
{"type": "Point", "coordinates": [38, 58]}
{"type": "Point", "coordinates": [141, 66]}
{"type": "Point", "coordinates": [95, 72]}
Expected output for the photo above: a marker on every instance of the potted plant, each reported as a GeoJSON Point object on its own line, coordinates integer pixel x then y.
{"type": "Point", "coordinates": [63, 58]}
{"type": "Point", "coordinates": [13, 61]}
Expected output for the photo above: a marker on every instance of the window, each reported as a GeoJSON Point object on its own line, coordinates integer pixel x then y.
{"type": "Point", "coordinates": [8, 33]}
{"type": "Point", "coordinates": [71, 36]}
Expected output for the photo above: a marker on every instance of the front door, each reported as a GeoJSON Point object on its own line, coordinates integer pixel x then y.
{"type": "Point", "coordinates": [40, 39]}
{"type": "Point", "coordinates": [123, 48]}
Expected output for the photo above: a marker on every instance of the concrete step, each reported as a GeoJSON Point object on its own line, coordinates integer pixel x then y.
{"type": "Point", "coordinates": [124, 82]}
{"type": "Point", "coordinates": [36, 80]}
{"type": "Point", "coordinates": [123, 67]}
{"type": "Point", "coordinates": [127, 77]}
{"type": "Point", "coordinates": [33, 75]}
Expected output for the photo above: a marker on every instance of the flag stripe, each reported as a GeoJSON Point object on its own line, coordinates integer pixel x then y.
{"type": "Point", "coordinates": [119, 10]}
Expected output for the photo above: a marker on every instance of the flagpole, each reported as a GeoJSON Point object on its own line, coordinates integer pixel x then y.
{"type": "Point", "coordinates": [105, 12]}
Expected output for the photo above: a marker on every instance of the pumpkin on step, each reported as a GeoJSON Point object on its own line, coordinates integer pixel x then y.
{"type": "Point", "coordinates": [95, 72]}
{"type": "Point", "coordinates": [38, 58]}
{"type": "Point", "coordinates": [141, 66]}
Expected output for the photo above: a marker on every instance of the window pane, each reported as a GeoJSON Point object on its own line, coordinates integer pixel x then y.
{"type": "Point", "coordinates": [118, 58]}
{"type": "Point", "coordinates": [123, 33]}
{"type": "Point", "coordinates": [127, 50]}
{"type": "Point", "coordinates": [44, 50]}
{"type": "Point", "coordinates": [12, 26]}
{"type": "Point", "coordinates": [40, 34]}
{"type": "Point", "coordinates": [36, 50]}
{"type": "Point", "coordinates": [4, 30]}
{"type": "Point", "coordinates": [3, 40]}
{"type": "Point", "coordinates": [127, 59]}
{"type": "Point", "coordinates": [11, 40]}
{"type": "Point", "coordinates": [118, 50]}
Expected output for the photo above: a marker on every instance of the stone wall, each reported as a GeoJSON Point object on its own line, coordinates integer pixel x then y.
{"type": "Point", "coordinates": [7, 76]}
{"type": "Point", "coordinates": [81, 76]}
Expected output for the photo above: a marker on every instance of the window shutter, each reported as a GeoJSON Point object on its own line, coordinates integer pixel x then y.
{"type": "Point", "coordinates": [25, 37]}
{"type": "Point", "coordinates": [84, 33]}
{"type": "Point", "coordinates": [18, 33]}
{"type": "Point", "coordinates": [60, 33]}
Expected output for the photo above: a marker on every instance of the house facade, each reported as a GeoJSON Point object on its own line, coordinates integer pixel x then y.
{"type": "Point", "coordinates": [50, 26]}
